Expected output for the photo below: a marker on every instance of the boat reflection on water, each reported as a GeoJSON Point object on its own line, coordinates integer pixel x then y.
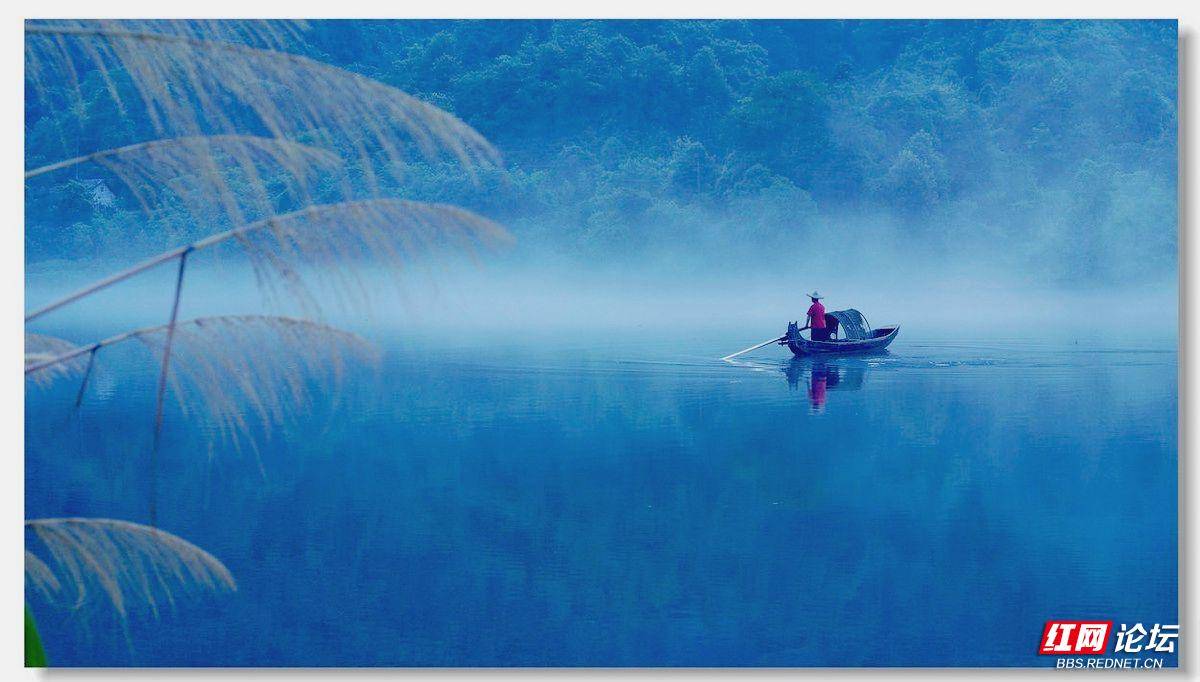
{"type": "Point", "coordinates": [821, 375]}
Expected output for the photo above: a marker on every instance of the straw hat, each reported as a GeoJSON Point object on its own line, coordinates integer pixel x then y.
{"type": "Point", "coordinates": [815, 295]}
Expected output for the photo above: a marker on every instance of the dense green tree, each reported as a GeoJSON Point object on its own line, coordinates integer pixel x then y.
{"type": "Point", "coordinates": [963, 128]}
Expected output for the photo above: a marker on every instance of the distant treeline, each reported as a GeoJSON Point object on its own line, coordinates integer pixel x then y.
{"type": "Point", "coordinates": [1051, 143]}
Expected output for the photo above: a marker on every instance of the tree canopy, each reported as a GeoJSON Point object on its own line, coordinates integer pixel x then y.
{"type": "Point", "coordinates": [1055, 140]}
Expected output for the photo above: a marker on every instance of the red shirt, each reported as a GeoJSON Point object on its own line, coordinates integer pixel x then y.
{"type": "Point", "coordinates": [816, 315]}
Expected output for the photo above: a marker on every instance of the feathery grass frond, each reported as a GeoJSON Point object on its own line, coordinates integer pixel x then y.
{"type": "Point", "coordinates": [337, 237]}
{"type": "Point", "coordinates": [193, 83]}
{"type": "Point", "coordinates": [256, 365]}
{"type": "Point", "coordinates": [237, 366]}
{"type": "Point", "coordinates": [202, 172]}
{"type": "Point", "coordinates": [128, 561]}
{"type": "Point", "coordinates": [284, 152]}
{"type": "Point", "coordinates": [330, 243]}
{"type": "Point", "coordinates": [41, 577]}
{"type": "Point", "coordinates": [40, 348]}
{"type": "Point", "coordinates": [231, 175]}
{"type": "Point", "coordinates": [271, 34]}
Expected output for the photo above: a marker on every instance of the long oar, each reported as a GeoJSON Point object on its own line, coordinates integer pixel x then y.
{"type": "Point", "coordinates": [764, 343]}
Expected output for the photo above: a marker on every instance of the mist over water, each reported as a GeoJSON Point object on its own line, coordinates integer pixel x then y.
{"type": "Point", "coordinates": [929, 299]}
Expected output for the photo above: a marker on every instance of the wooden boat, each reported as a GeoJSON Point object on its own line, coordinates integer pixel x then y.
{"type": "Point", "coordinates": [856, 336]}
{"type": "Point", "coordinates": [874, 340]}
{"type": "Point", "coordinates": [879, 340]}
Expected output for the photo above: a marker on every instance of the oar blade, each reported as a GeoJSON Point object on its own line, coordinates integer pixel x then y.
{"type": "Point", "coordinates": [747, 350]}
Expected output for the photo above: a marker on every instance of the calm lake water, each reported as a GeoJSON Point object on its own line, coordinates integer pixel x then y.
{"type": "Point", "coordinates": [634, 502]}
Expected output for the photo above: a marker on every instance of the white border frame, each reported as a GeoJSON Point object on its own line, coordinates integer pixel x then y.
{"type": "Point", "coordinates": [12, 285]}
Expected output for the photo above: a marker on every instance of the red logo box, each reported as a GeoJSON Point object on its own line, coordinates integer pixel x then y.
{"type": "Point", "coordinates": [1075, 637]}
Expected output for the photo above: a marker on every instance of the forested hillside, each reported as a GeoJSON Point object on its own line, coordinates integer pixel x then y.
{"type": "Point", "coordinates": [1051, 145]}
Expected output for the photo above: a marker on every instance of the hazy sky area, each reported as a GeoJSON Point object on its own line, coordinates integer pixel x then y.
{"type": "Point", "coordinates": [955, 175]}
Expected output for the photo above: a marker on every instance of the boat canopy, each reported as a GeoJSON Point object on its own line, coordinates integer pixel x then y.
{"type": "Point", "coordinates": [853, 325]}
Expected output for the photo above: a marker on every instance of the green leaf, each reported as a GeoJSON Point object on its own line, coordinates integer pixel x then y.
{"type": "Point", "coordinates": [35, 656]}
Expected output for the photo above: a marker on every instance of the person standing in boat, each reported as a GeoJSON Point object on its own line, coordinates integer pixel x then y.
{"type": "Point", "coordinates": [816, 319]}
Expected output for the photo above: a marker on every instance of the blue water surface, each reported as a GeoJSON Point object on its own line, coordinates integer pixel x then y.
{"type": "Point", "coordinates": [631, 501]}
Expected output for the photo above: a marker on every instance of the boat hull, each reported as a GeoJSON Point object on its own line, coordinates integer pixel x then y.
{"type": "Point", "coordinates": [881, 339]}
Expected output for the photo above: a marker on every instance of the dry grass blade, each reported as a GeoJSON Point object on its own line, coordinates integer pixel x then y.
{"type": "Point", "coordinates": [40, 576]}
{"type": "Point", "coordinates": [272, 34]}
{"type": "Point", "coordinates": [192, 83]}
{"type": "Point", "coordinates": [265, 367]}
{"type": "Point", "coordinates": [330, 243]}
{"type": "Point", "coordinates": [240, 366]}
{"type": "Point", "coordinates": [228, 173]}
{"type": "Point", "coordinates": [128, 562]}
{"type": "Point", "coordinates": [40, 348]}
